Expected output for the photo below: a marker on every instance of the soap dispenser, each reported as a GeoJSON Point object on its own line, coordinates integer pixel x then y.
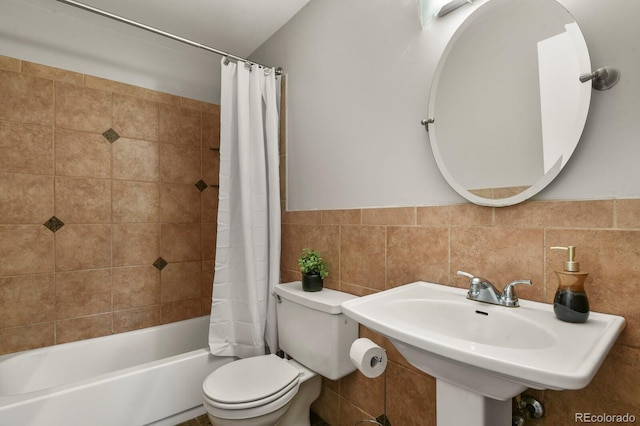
{"type": "Point", "coordinates": [570, 303]}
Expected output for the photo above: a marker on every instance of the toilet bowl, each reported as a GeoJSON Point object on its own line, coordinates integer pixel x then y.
{"type": "Point", "coordinates": [260, 391]}
{"type": "Point", "coordinates": [267, 390]}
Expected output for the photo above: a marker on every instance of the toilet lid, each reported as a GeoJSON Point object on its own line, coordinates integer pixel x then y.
{"type": "Point", "coordinates": [250, 380]}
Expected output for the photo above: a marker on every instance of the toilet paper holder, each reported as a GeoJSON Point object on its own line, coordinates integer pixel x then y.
{"type": "Point", "coordinates": [375, 360]}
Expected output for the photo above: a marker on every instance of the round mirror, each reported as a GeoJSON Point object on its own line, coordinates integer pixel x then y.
{"type": "Point", "coordinates": [507, 107]}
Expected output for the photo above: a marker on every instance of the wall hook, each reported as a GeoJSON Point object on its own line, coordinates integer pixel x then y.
{"type": "Point", "coordinates": [602, 78]}
{"type": "Point", "coordinates": [426, 121]}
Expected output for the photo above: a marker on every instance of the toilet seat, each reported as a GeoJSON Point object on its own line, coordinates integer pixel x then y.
{"type": "Point", "coordinates": [251, 387]}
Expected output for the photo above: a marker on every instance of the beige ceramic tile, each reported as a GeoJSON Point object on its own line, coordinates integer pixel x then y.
{"type": "Point", "coordinates": [82, 154]}
{"type": "Point", "coordinates": [293, 241]}
{"type": "Point", "coordinates": [417, 254]}
{"type": "Point", "coordinates": [135, 118]}
{"type": "Point", "coordinates": [208, 240]}
{"type": "Point", "coordinates": [627, 213]}
{"type": "Point", "coordinates": [306, 217]}
{"type": "Point", "coordinates": [193, 104]}
{"type": "Point", "coordinates": [180, 242]}
{"type": "Point", "coordinates": [135, 201]}
{"type": "Point", "coordinates": [26, 148]}
{"type": "Point", "coordinates": [71, 330]}
{"type": "Point", "coordinates": [81, 200]}
{"type": "Point", "coordinates": [365, 393]}
{"type": "Point", "coordinates": [350, 414]}
{"type": "Point", "coordinates": [355, 289]}
{"type": "Point", "coordinates": [181, 310]}
{"type": "Point", "coordinates": [30, 336]}
{"type": "Point", "coordinates": [389, 216]}
{"type": "Point", "coordinates": [180, 126]}
{"type": "Point", "coordinates": [209, 205]}
{"type": "Point", "coordinates": [342, 217]}
{"type": "Point", "coordinates": [288, 275]}
{"type": "Point", "coordinates": [83, 247]}
{"type": "Point", "coordinates": [327, 406]}
{"type": "Point", "coordinates": [136, 160]}
{"type": "Point", "coordinates": [362, 256]}
{"type": "Point", "coordinates": [135, 243]}
{"type": "Point", "coordinates": [557, 214]}
{"type": "Point", "coordinates": [325, 239]}
{"type": "Point", "coordinates": [52, 73]}
{"type": "Point", "coordinates": [135, 286]}
{"type": "Point", "coordinates": [134, 319]}
{"type": "Point", "coordinates": [179, 164]}
{"type": "Point", "coordinates": [155, 96]}
{"type": "Point", "coordinates": [26, 299]}
{"type": "Point", "coordinates": [211, 128]}
{"type": "Point", "coordinates": [211, 167]}
{"type": "Point", "coordinates": [25, 198]}
{"type": "Point", "coordinates": [411, 397]}
{"type": "Point", "coordinates": [26, 249]}
{"type": "Point", "coordinates": [459, 215]}
{"type": "Point", "coordinates": [10, 64]}
{"type": "Point", "coordinates": [206, 289]}
{"type": "Point", "coordinates": [81, 293]}
{"type": "Point", "coordinates": [209, 108]}
{"type": "Point", "coordinates": [180, 281]}
{"type": "Point", "coordinates": [106, 85]}
{"type": "Point", "coordinates": [179, 203]}
{"type": "Point", "coordinates": [282, 171]}
{"type": "Point", "coordinates": [82, 108]}
{"type": "Point", "coordinates": [26, 99]}
{"type": "Point", "coordinates": [501, 255]}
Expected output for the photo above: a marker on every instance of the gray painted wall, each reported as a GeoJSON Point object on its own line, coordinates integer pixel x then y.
{"type": "Point", "coordinates": [359, 79]}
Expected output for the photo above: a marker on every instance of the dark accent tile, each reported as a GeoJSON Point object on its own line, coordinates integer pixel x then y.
{"type": "Point", "coordinates": [201, 185]}
{"type": "Point", "coordinates": [160, 263]}
{"type": "Point", "coordinates": [111, 135]}
{"type": "Point", "coordinates": [54, 224]}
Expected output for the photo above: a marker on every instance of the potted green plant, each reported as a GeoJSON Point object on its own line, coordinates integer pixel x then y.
{"type": "Point", "coordinates": [313, 268]}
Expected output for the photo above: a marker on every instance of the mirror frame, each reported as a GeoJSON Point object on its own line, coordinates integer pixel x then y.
{"type": "Point", "coordinates": [480, 13]}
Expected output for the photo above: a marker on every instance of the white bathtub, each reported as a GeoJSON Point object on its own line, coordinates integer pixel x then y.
{"type": "Point", "coordinates": [151, 376]}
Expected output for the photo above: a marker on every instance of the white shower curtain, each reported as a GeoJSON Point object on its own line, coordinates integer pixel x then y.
{"type": "Point", "coordinates": [243, 318]}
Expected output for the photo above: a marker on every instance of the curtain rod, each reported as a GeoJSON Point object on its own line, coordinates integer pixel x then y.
{"type": "Point", "coordinates": [160, 32]}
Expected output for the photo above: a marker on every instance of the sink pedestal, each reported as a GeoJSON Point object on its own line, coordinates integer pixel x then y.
{"type": "Point", "coordinates": [458, 406]}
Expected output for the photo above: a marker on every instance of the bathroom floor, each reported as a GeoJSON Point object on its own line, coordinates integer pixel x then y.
{"type": "Point", "coordinates": [203, 420]}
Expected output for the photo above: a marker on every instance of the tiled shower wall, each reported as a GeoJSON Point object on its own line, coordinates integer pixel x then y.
{"type": "Point", "coordinates": [375, 249]}
{"type": "Point", "coordinates": [107, 213]}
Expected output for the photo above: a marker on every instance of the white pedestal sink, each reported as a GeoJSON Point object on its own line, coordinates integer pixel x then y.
{"type": "Point", "coordinates": [482, 355]}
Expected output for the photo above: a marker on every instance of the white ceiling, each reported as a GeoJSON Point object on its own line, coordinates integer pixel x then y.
{"type": "Point", "coordinates": [235, 26]}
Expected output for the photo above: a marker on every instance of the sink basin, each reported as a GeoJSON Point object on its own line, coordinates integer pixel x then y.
{"type": "Point", "coordinates": [488, 350]}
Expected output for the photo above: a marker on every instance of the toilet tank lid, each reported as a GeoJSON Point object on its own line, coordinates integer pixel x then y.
{"type": "Point", "coordinates": [326, 300]}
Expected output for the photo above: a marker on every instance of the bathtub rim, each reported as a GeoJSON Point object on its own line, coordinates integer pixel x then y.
{"type": "Point", "coordinates": [9, 400]}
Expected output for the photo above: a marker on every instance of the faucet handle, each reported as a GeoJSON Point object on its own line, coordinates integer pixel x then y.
{"type": "Point", "coordinates": [508, 297]}
{"type": "Point", "coordinates": [476, 284]}
{"type": "Point", "coordinates": [465, 274]}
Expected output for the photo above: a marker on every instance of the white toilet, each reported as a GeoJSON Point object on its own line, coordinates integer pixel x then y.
{"type": "Point", "coordinates": [268, 390]}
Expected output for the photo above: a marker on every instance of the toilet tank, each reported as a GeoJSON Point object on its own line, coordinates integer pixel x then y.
{"type": "Point", "coordinates": [313, 330]}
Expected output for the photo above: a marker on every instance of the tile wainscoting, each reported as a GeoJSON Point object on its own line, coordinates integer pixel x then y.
{"type": "Point", "coordinates": [370, 250]}
{"type": "Point", "coordinates": [107, 213]}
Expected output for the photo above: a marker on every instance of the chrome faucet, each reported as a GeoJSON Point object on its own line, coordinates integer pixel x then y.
{"type": "Point", "coordinates": [482, 290]}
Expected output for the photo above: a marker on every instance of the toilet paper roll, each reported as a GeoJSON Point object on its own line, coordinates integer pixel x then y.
{"type": "Point", "coordinates": [368, 357]}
